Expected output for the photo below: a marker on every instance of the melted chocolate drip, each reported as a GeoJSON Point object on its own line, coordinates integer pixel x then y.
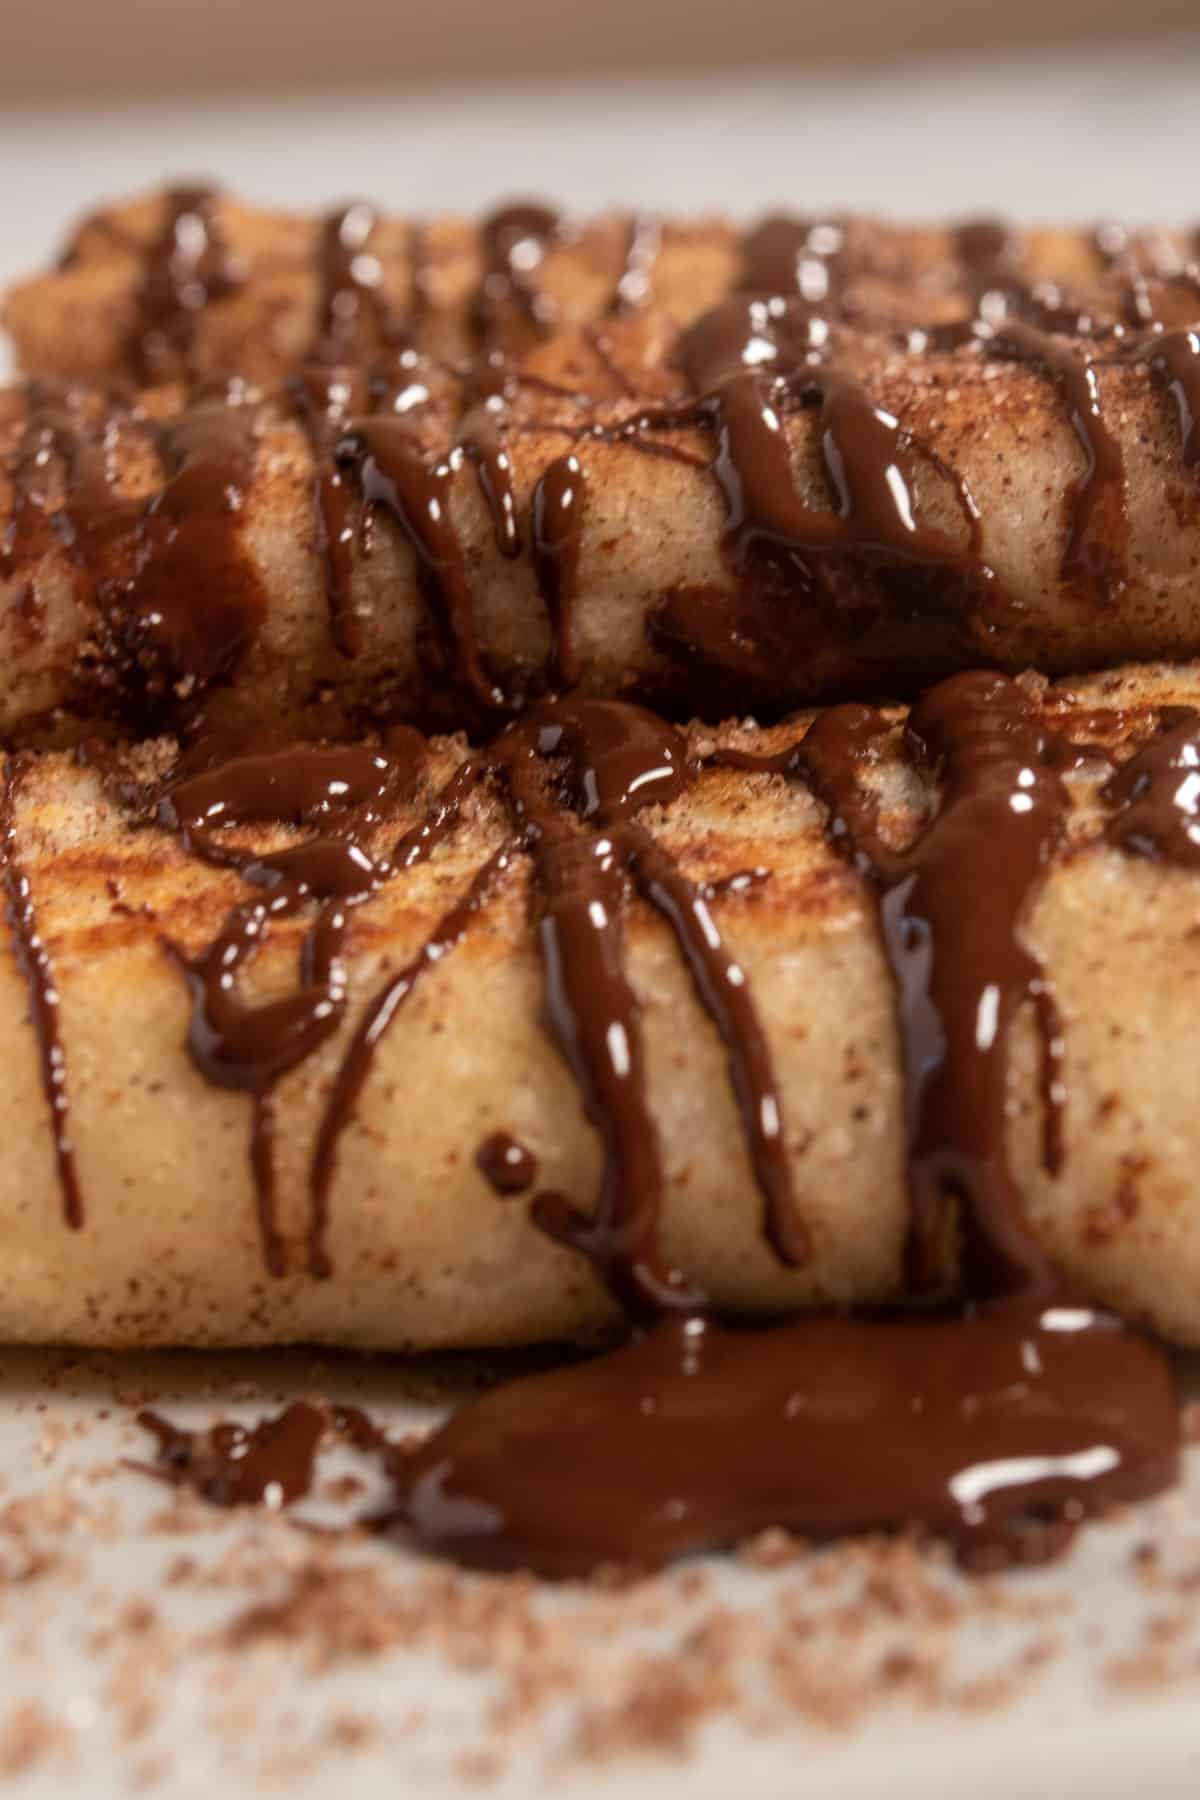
{"type": "Point", "coordinates": [998, 1431]}
{"type": "Point", "coordinates": [270, 1464]}
{"type": "Point", "coordinates": [386, 458]}
{"type": "Point", "coordinates": [618, 760]}
{"type": "Point", "coordinates": [986, 250]}
{"type": "Point", "coordinates": [356, 1063]}
{"type": "Point", "coordinates": [643, 242]}
{"type": "Point", "coordinates": [1173, 358]}
{"type": "Point", "coordinates": [989, 255]}
{"type": "Point", "coordinates": [746, 360]}
{"type": "Point", "coordinates": [341, 790]}
{"type": "Point", "coordinates": [186, 267]}
{"type": "Point", "coordinates": [325, 400]}
{"type": "Point", "coordinates": [37, 969]}
{"type": "Point", "coordinates": [506, 1164]}
{"type": "Point", "coordinates": [1157, 795]}
{"type": "Point", "coordinates": [962, 972]}
{"type": "Point", "coordinates": [179, 601]}
{"type": "Point", "coordinates": [559, 502]}
{"type": "Point", "coordinates": [195, 604]}
{"type": "Point", "coordinates": [514, 240]}
{"type": "Point", "coordinates": [605, 761]}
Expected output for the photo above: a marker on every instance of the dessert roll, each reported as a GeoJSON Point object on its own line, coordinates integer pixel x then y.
{"type": "Point", "coordinates": [762, 511]}
{"type": "Point", "coordinates": [192, 283]}
{"type": "Point", "coordinates": [408, 1044]}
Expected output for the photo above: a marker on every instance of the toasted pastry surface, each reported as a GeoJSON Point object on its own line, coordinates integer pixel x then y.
{"type": "Point", "coordinates": [424, 1250]}
{"type": "Point", "coordinates": [151, 573]}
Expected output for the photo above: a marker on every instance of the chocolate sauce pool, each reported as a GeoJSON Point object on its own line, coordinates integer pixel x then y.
{"type": "Point", "coordinates": [998, 1420]}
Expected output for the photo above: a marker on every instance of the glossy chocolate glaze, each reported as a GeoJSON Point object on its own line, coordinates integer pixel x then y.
{"type": "Point", "coordinates": [352, 309]}
{"type": "Point", "coordinates": [1103, 478]}
{"type": "Point", "coordinates": [188, 545]}
{"type": "Point", "coordinates": [999, 1431]}
{"type": "Point", "coordinates": [326, 398]}
{"type": "Point", "coordinates": [1000, 1428]}
{"type": "Point", "coordinates": [481, 434]}
{"type": "Point", "coordinates": [385, 457]}
{"type": "Point", "coordinates": [558, 511]}
{"type": "Point", "coordinates": [576, 774]}
{"type": "Point", "coordinates": [37, 969]}
{"type": "Point", "coordinates": [1000, 1424]}
{"type": "Point", "coordinates": [146, 559]}
{"type": "Point", "coordinates": [513, 241]}
{"type": "Point", "coordinates": [1173, 359]}
{"type": "Point", "coordinates": [749, 362]}
{"type": "Point", "coordinates": [1156, 795]}
{"type": "Point", "coordinates": [340, 790]}
{"type": "Point", "coordinates": [783, 256]}
{"type": "Point", "coordinates": [961, 972]}
{"type": "Point", "coordinates": [186, 267]}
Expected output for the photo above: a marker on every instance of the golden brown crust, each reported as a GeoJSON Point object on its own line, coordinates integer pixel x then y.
{"type": "Point", "coordinates": [425, 1252]}
{"type": "Point", "coordinates": [991, 435]}
{"type": "Point", "coordinates": [80, 321]}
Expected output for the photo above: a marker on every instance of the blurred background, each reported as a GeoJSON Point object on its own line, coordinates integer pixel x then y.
{"type": "Point", "coordinates": [1047, 107]}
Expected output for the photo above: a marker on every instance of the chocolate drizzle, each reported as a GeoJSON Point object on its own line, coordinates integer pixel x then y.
{"type": "Point", "coordinates": [188, 545]}
{"type": "Point", "coordinates": [186, 267]}
{"type": "Point", "coordinates": [786, 257]}
{"type": "Point", "coordinates": [513, 242]}
{"type": "Point", "coordinates": [1156, 795]}
{"type": "Point", "coordinates": [1002, 1429]}
{"type": "Point", "coordinates": [749, 362]}
{"type": "Point", "coordinates": [559, 502]}
{"type": "Point", "coordinates": [341, 790]}
{"type": "Point", "coordinates": [326, 399]}
{"type": "Point", "coordinates": [381, 1011]}
{"type": "Point", "coordinates": [489, 390]}
{"type": "Point", "coordinates": [643, 241]}
{"type": "Point", "coordinates": [351, 285]}
{"type": "Point", "coordinates": [147, 559]}
{"type": "Point", "coordinates": [1103, 477]}
{"type": "Point", "coordinates": [64, 489]}
{"type": "Point", "coordinates": [37, 969]}
{"type": "Point", "coordinates": [999, 1431]}
{"type": "Point", "coordinates": [962, 973]}
{"type": "Point", "coordinates": [506, 1164]}
{"type": "Point", "coordinates": [577, 774]}
{"type": "Point", "coordinates": [385, 455]}
{"type": "Point", "coordinates": [1173, 358]}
